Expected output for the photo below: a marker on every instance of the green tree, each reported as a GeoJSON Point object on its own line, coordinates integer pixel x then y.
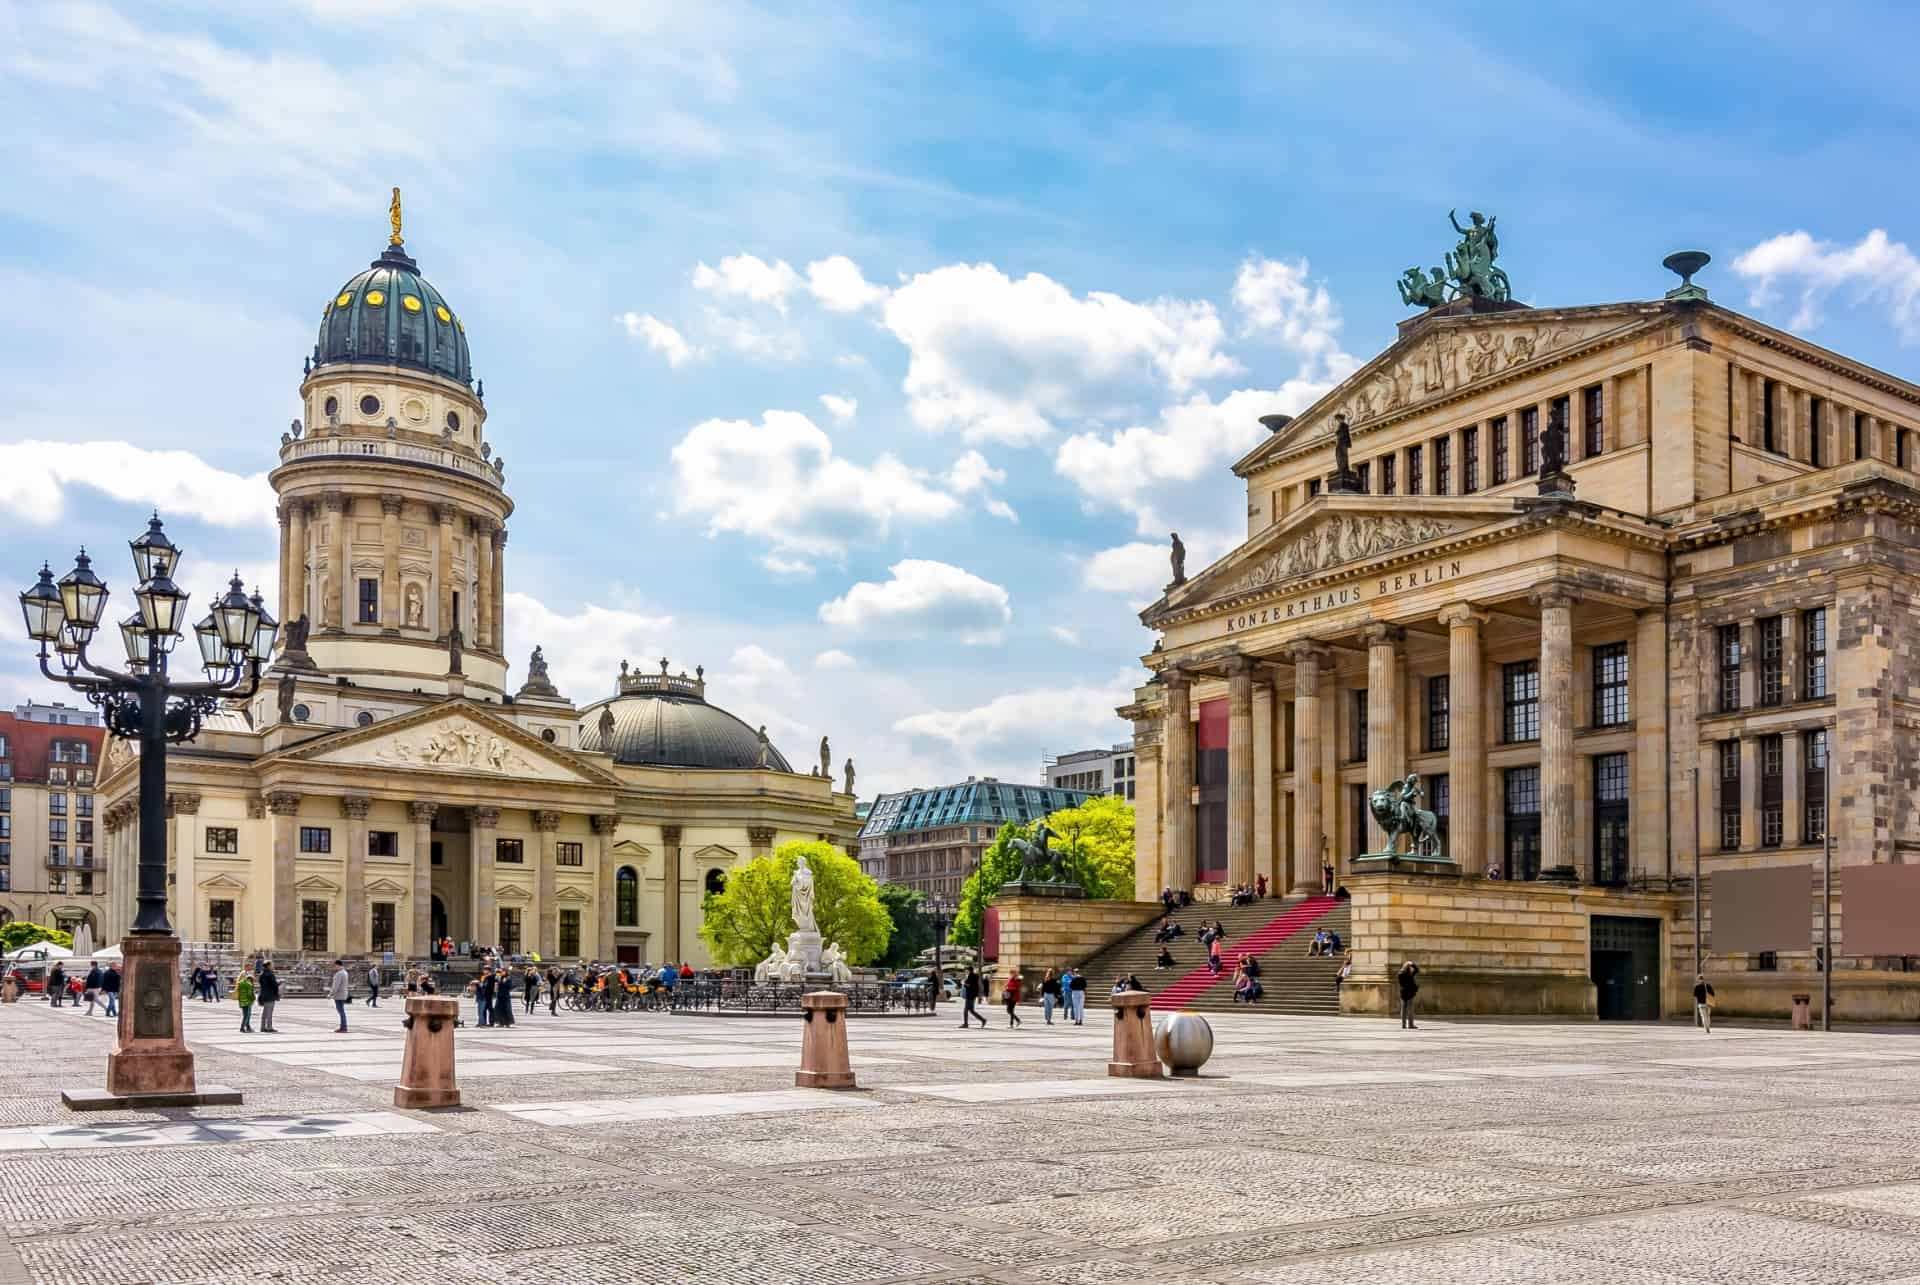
{"type": "Point", "coordinates": [754, 913]}
{"type": "Point", "coordinates": [20, 933]}
{"type": "Point", "coordinates": [998, 864]}
{"type": "Point", "coordinates": [913, 930]}
{"type": "Point", "coordinates": [1095, 844]}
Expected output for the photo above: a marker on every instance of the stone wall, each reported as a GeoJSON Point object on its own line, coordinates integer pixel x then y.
{"type": "Point", "coordinates": [1038, 933]}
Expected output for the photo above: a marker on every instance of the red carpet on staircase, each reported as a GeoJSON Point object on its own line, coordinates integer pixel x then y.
{"type": "Point", "coordinates": [1259, 942]}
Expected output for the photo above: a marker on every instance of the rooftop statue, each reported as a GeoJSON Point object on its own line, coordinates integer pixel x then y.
{"type": "Point", "coordinates": [1470, 269]}
{"type": "Point", "coordinates": [1179, 558]}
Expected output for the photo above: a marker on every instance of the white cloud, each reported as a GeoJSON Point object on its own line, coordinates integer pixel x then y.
{"type": "Point", "coordinates": [839, 285]}
{"type": "Point", "coordinates": [779, 480]}
{"type": "Point", "coordinates": [1878, 270]}
{"type": "Point", "coordinates": [35, 477]}
{"type": "Point", "coordinates": [746, 335]}
{"type": "Point", "coordinates": [793, 568]}
{"type": "Point", "coordinates": [971, 472]}
{"type": "Point", "coordinates": [1061, 716]}
{"type": "Point", "coordinates": [841, 408]}
{"type": "Point", "coordinates": [584, 649]}
{"type": "Point", "coordinates": [660, 337]}
{"type": "Point", "coordinates": [748, 276]}
{"type": "Point", "coordinates": [834, 658]}
{"type": "Point", "coordinates": [923, 599]}
{"type": "Point", "coordinates": [753, 667]}
{"type": "Point", "coordinates": [1002, 510]}
{"type": "Point", "coordinates": [1060, 633]}
{"type": "Point", "coordinates": [1274, 297]}
{"type": "Point", "coordinates": [1003, 360]}
{"type": "Point", "coordinates": [1136, 568]}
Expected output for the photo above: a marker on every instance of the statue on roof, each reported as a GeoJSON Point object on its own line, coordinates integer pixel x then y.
{"type": "Point", "coordinates": [606, 728]}
{"type": "Point", "coordinates": [1421, 292]}
{"type": "Point", "coordinates": [1179, 556]}
{"type": "Point", "coordinates": [766, 747]}
{"type": "Point", "coordinates": [393, 217]}
{"type": "Point", "coordinates": [1471, 262]}
{"type": "Point", "coordinates": [849, 776]}
{"type": "Point", "coordinates": [826, 759]}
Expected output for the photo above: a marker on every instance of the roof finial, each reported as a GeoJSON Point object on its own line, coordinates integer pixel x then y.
{"type": "Point", "coordinates": [393, 217]}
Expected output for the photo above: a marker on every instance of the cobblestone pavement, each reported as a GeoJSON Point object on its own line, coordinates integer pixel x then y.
{"type": "Point", "coordinates": [642, 1147]}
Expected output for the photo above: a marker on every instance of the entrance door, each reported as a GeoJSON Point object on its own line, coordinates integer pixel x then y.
{"type": "Point", "coordinates": [626, 954]}
{"type": "Point", "coordinates": [1626, 967]}
{"type": "Point", "coordinates": [437, 917]}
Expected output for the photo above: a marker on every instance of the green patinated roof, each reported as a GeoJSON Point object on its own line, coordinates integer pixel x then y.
{"type": "Point", "coordinates": [392, 315]}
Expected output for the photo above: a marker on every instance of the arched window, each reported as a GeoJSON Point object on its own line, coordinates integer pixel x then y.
{"type": "Point", "coordinates": [626, 898]}
{"type": "Point", "coordinates": [716, 880]}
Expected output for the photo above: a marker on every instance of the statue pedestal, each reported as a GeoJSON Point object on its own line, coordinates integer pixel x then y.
{"type": "Point", "coordinates": [1406, 862]}
{"type": "Point", "coordinates": [806, 946]}
{"type": "Point", "coordinates": [150, 1065]}
{"type": "Point", "coordinates": [1025, 888]}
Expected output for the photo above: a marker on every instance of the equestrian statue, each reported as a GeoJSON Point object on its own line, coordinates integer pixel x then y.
{"type": "Point", "coordinates": [1397, 809]}
{"type": "Point", "coordinates": [1038, 864]}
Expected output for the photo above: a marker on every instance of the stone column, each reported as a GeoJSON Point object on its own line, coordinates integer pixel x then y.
{"type": "Point", "coordinates": [421, 813]}
{"type": "Point", "coordinates": [1179, 801]}
{"type": "Point", "coordinates": [483, 609]}
{"type": "Point", "coordinates": [1749, 663]}
{"type": "Point", "coordinates": [1793, 794]}
{"type": "Point", "coordinates": [354, 899]}
{"type": "Point", "coordinates": [545, 909]}
{"type": "Point", "coordinates": [182, 904]}
{"type": "Point", "coordinates": [1557, 854]}
{"type": "Point", "coordinates": [1239, 771]}
{"type": "Point", "coordinates": [340, 512]}
{"type": "Point", "coordinates": [1263, 791]}
{"type": "Point", "coordinates": [604, 824]}
{"type": "Point", "coordinates": [1149, 872]}
{"type": "Point", "coordinates": [670, 894]}
{"type": "Point", "coordinates": [390, 506]}
{"type": "Point", "coordinates": [294, 605]}
{"type": "Point", "coordinates": [285, 513]}
{"type": "Point", "coordinates": [284, 805]}
{"type": "Point", "coordinates": [1749, 792]}
{"type": "Point", "coordinates": [760, 840]}
{"type": "Point", "coordinates": [1466, 739]}
{"type": "Point", "coordinates": [1386, 738]}
{"type": "Point", "coordinates": [498, 632]}
{"type": "Point", "coordinates": [1652, 805]}
{"type": "Point", "coordinates": [1309, 829]}
{"type": "Point", "coordinates": [443, 514]}
{"type": "Point", "coordinates": [1789, 657]}
{"type": "Point", "coordinates": [486, 923]}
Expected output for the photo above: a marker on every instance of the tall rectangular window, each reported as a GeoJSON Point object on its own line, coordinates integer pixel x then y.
{"type": "Point", "coordinates": [56, 805]}
{"type": "Point", "coordinates": [1520, 692]}
{"type": "Point", "coordinates": [456, 605]}
{"type": "Point", "coordinates": [1469, 460]}
{"type": "Point", "coordinates": [57, 829]}
{"type": "Point", "coordinates": [316, 838]}
{"type": "Point", "coordinates": [1610, 826]}
{"type": "Point", "coordinates": [369, 601]}
{"type": "Point", "coordinates": [223, 839]}
{"type": "Point", "coordinates": [1357, 810]}
{"type": "Point", "coordinates": [382, 927]}
{"type": "Point", "coordinates": [1769, 433]}
{"type": "Point", "coordinates": [1364, 472]}
{"type": "Point", "coordinates": [1772, 661]}
{"type": "Point", "coordinates": [1440, 803]}
{"type": "Point", "coordinates": [1813, 653]}
{"type": "Point", "coordinates": [1359, 721]}
{"type": "Point", "coordinates": [1313, 487]}
{"type": "Point", "coordinates": [220, 922]}
{"type": "Point", "coordinates": [1900, 448]}
{"type": "Point", "coordinates": [1610, 685]}
{"type": "Point", "coordinates": [509, 852]}
{"type": "Point", "coordinates": [509, 942]}
{"type": "Point", "coordinates": [1728, 639]}
{"type": "Point", "coordinates": [1593, 405]}
{"type": "Point", "coordinates": [1211, 775]}
{"type": "Point", "coordinates": [1773, 763]}
{"type": "Point", "coordinates": [1439, 713]}
{"type": "Point", "coordinates": [1442, 466]}
{"type": "Point", "coordinates": [383, 843]}
{"type": "Point", "coordinates": [1386, 475]}
{"type": "Point", "coordinates": [436, 855]}
{"type": "Point", "coordinates": [1814, 786]}
{"type": "Point", "coordinates": [1859, 436]}
{"type": "Point", "coordinates": [1523, 822]}
{"type": "Point", "coordinates": [1415, 480]}
{"type": "Point", "coordinates": [569, 932]}
{"type": "Point", "coordinates": [1499, 430]}
{"type": "Point", "coordinates": [568, 854]}
{"type": "Point", "coordinates": [1816, 409]}
{"type": "Point", "coordinates": [313, 925]}
{"type": "Point", "coordinates": [1529, 441]}
{"type": "Point", "coordinates": [1729, 796]}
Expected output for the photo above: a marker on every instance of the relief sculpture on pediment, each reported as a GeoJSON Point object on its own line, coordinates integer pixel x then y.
{"type": "Point", "coordinates": [1446, 363]}
{"type": "Point", "coordinates": [1343, 537]}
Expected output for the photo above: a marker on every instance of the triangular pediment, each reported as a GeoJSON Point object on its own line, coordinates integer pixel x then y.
{"type": "Point", "coordinates": [385, 888]}
{"type": "Point", "coordinates": [715, 852]}
{"type": "Point", "coordinates": [512, 892]}
{"type": "Point", "coordinates": [571, 893]}
{"type": "Point", "coordinates": [315, 883]}
{"type": "Point", "coordinates": [454, 737]}
{"type": "Point", "coordinates": [224, 883]}
{"type": "Point", "coordinates": [1451, 356]}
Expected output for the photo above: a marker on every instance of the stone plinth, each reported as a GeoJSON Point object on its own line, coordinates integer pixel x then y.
{"type": "Point", "coordinates": [823, 1042]}
{"type": "Point", "coordinates": [1133, 1053]}
{"type": "Point", "coordinates": [806, 946]}
{"type": "Point", "coordinates": [426, 1068]}
{"type": "Point", "coordinates": [1039, 888]}
{"type": "Point", "coordinates": [150, 1065]}
{"type": "Point", "coordinates": [1042, 932]}
{"type": "Point", "coordinates": [9, 990]}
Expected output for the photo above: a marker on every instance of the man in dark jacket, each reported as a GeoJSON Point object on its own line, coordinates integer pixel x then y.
{"type": "Point", "coordinates": [92, 986]}
{"type": "Point", "coordinates": [1409, 987]}
{"type": "Point", "coordinates": [269, 996]}
{"type": "Point", "coordinates": [110, 986]}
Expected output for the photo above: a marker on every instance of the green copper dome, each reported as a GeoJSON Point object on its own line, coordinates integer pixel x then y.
{"type": "Point", "coordinates": [391, 315]}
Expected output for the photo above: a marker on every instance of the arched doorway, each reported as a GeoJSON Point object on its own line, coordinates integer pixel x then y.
{"type": "Point", "coordinates": [437, 919]}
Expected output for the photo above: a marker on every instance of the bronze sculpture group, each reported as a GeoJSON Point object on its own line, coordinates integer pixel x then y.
{"type": "Point", "coordinates": [1470, 269]}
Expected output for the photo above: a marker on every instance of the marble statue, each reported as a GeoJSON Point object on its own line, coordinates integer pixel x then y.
{"type": "Point", "coordinates": [835, 961]}
{"type": "Point", "coordinates": [416, 607]}
{"type": "Point", "coordinates": [286, 698]}
{"type": "Point", "coordinates": [803, 898]}
{"type": "Point", "coordinates": [826, 759]}
{"type": "Point", "coordinates": [537, 667]}
{"type": "Point", "coordinates": [297, 632]}
{"type": "Point", "coordinates": [456, 645]}
{"type": "Point", "coordinates": [849, 776]}
{"type": "Point", "coordinates": [766, 747]}
{"type": "Point", "coordinates": [606, 728]}
{"type": "Point", "coordinates": [772, 967]}
{"type": "Point", "coordinates": [1179, 559]}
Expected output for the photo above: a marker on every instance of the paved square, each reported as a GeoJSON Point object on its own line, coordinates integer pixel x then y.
{"type": "Point", "coordinates": [669, 1148]}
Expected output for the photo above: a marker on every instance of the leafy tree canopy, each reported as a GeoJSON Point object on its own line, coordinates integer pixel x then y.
{"type": "Point", "coordinates": [1095, 842]}
{"type": "Point", "coordinates": [20, 933]}
{"type": "Point", "coordinates": [913, 928]}
{"type": "Point", "coordinates": [754, 913]}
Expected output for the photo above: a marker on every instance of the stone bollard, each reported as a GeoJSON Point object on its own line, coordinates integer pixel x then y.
{"type": "Point", "coordinates": [426, 1068]}
{"type": "Point", "coordinates": [10, 989]}
{"type": "Point", "coordinates": [823, 1044]}
{"type": "Point", "coordinates": [1803, 1012]}
{"type": "Point", "coordinates": [1133, 1055]}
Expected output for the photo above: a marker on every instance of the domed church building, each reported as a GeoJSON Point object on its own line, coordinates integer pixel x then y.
{"type": "Point", "coordinates": [389, 786]}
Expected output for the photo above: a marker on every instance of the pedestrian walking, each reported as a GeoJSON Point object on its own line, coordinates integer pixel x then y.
{"type": "Point", "coordinates": [503, 997]}
{"type": "Point", "coordinates": [57, 984]}
{"type": "Point", "coordinates": [532, 987]}
{"type": "Point", "coordinates": [1409, 987]}
{"type": "Point", "coordinates": [94, 978]}
{"type": "Point", "coordinates": [243, 996]}
{"type": "Point", "coordinates": [1077, 992]}
{"type": "Point", "coordinates": [340, 988]}
{"type": "Point", "coordinates": [373, 985]}
{"type": "Point", "coordinates": [483, 994]}
{"type": "Point", "coordinates": [553, 991]}
{"type": "Point", "coordinates": [1049, 995]}
{"type": "Point", "coordinates": [971, 990]}
{"type": "Point", "coordinates": [110, 985]}
{"type": "Point", "coordinates": [1703, 1002]}
{"type": "Point", "coordinates": [1012, 997]}
{"type": "Point", "coordinates": [269, 996]}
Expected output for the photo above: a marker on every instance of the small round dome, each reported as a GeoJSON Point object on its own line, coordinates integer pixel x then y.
{"type": "Point", "coordinates": [662, 720]}
{"type": "Point", "coordinates": [391, 315]}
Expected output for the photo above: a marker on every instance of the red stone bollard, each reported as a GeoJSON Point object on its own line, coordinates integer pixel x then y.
{"type": "Point", "coordinates": [426, 1068]}
{"type": "Point", "coordinates": [1133, 1054]}
{"type": "Point", "coordinates": [823, 1044]}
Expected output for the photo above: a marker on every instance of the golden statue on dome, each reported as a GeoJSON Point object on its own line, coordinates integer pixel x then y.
{"type": "Point", "coordinates": [393, 217]}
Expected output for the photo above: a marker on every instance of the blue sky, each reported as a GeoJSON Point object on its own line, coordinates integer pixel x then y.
{"type": "Point", "coordinates": [865, 354]}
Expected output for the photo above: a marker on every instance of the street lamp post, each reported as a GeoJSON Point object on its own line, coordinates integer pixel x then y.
{"type": "Point", "coordinates": [150, 1060]}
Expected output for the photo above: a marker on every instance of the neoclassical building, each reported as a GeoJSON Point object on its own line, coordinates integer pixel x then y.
{"type": "Point", "coordinates": [388, 785]}
{"type": "Point", "coordinates": [1598, 674]}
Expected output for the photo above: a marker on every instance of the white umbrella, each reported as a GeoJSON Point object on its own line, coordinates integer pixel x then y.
{"type": "Point", "coordinates": [109, 952]}
{"type": "Point", "coordinates": [83, 941]}
{"type": "Point", "coordinates": [40, 950]}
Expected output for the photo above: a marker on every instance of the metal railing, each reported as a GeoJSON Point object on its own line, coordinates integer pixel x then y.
{"type": "Point", "coordinates": [728, 994]}
{"type": "Point", "coordinates": [458, 461]}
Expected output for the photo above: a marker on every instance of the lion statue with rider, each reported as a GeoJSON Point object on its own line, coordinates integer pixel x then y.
{"type": "Point", "coordinates": [1397, 809]}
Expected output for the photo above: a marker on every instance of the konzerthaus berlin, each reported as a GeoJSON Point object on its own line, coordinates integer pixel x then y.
{"type": "Point", "coordinates": [1598, 676]}
{"type": "Point", "coordinates": [388, 786]}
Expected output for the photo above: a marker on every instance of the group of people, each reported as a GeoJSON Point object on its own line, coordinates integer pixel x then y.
{"type": "Point", "coordinates": [100, 985]}
{"type": "Point", "coordinates": [1325, 944]}
{"type": "Point", "coordinates": [1171, 901]}
{"type": "Point", "coordinates": [1247, 893]}
{"type": "Point", "coordinates": [1212, 933]}
{"type": "Point", "coordinates": [1066, 991]}
{"type": "Point", "coordinates": [1246, 981]}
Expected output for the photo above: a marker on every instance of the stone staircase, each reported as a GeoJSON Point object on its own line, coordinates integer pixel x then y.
{"type": "Point", "coordinates": [1276, 932]}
